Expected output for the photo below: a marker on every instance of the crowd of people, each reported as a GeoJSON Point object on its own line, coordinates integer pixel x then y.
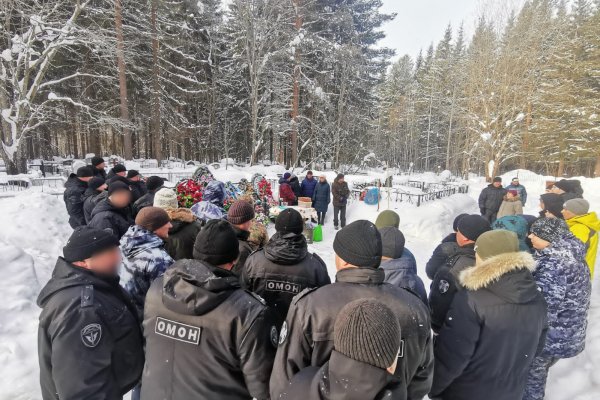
{"type": "Point", "coordinates": [175, 308]}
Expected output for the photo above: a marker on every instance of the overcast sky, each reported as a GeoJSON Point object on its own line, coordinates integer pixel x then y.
{"type": "Point", "coordinates": [420, 22]}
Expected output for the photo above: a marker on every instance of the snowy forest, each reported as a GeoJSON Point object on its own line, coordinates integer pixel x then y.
{"type": "Point", "coordinates": [298, 82]}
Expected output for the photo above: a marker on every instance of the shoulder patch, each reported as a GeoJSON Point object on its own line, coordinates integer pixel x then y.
{"type": "Point", "coordinates": [302, 294]}
{"type": "Point", "coordinates": [283, 333]}
{"type": "Point", "coordinates": [257, 297]}
{"type": "Point", "coordinates": [87, 296]}
{"type": "Point", "coordinates": [91, 335]}
{"type": "Point", "coordinates": [274, 336]}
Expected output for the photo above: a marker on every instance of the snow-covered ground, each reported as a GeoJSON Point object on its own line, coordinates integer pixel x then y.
{"type": "Point", "coordinates": [34, 228]}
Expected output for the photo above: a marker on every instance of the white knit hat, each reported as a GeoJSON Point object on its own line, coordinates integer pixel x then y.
{"type": "Point", "coordinates": [166, 198]}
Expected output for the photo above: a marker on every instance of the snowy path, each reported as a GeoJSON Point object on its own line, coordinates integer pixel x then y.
{"type": "Point", "coordinates": [34, 228]}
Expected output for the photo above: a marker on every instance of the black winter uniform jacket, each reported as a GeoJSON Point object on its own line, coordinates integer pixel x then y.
{"type": "Point", "coordinates": [89, 339]}
{"type": "Point", "coordinates": [341, 378]}
{"type": "Point", "coordinates": [283, 269]}
{"type": "Point", "coordinates": [306, 337]}
{"type": "Point", "coordinates": [182, 236]}
{"type": "Point", "coordinates": [245, 250]}
{"type": "Point", "coordinates": [107, 216]}
{"type": "Point", "coordinates": [91, 197]}
{"type": "Point", "coordinates": [205, 337]}
{"type": "Point", "coordinates": [100, 173]}
{"type": "Point", "coordinates": [73, 197]}
{"type": "Point", "coordinates": [138, 190]}
{"type": "Point", "coordinates": [445, 283]}
{"type": "Point", "coordinates": [493, 331]}
{"type": "Point", "coordinates": [440, 255]}
{"type": "Point", "coordinates": [146, 200]}
{"type": "Point", "coordinates": [490, 200]}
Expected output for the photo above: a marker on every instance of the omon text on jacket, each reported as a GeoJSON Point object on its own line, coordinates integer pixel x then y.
{"type": "Point", "coordinates": [106, 366]}
{"type": "Point", "coordinates": [206, 338]}
{"type": "Point", "coordinates": [493, 331]}
{"type": "Point", "coordinates": [144, 260]}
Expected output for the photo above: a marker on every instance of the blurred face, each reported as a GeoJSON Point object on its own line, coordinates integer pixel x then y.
{"type": "Point", "coordinates": [462, 240]}
{"type": "Point", "coordinates": [163, 231]}
{"type": "Point", "coordinates": [120, 199]}
{"type": "Point", "coordinates": [245, 226]}
{"type": "Point", "coordinates": [568, 214]}
{"type": "Point", "coordinates": [341, 264]}
{"type": "Point", "coordinates": [101, 166]}
{"type": "Point", "coordinates": [322, 178]}
{"type": "Point", "coordinates": [124, 173]}
{"type": "Point", "coordinates": [105, 263]}
{"type": "Point", "coordinates": [136, 178]}
{"type": "Point", "coordinates": [515, 182]}
{"type": "Point", "coordinates": [309, 176]}
{"type": "Point", "coordinates": [497, 184]}
{"type": "Point", "coordinates": [556, 190]}
{"type": "Point", "coordinates": [509, 195]}
{"type": "Point", "coordinates": [538, 243]}
{"type": "Point", "coordinates": [341, 179]}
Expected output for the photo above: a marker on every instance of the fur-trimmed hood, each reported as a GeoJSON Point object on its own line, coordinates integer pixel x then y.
{"type": "Point", "coordinates": [181, 214]}
{"type": "Point", "coordinates": [508, 276]}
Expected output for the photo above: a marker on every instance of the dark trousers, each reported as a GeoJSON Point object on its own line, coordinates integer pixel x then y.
{"type": "Point", "coordinates": [321, 217]}
{"type": "Point", "coordinates": [341, 212]}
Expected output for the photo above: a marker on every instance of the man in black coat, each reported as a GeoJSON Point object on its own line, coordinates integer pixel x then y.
{"type": "Point", "coordinates": [445, 282]}
{"type": "Point", "coordinates": [113, 213]}
{"type": "Point", "coordinates": [495, 327]}
{"type": "Point", "coordinates": [445, 249]}
{"type": "Point", "coordinates": [241, 216]}
{"type": "Point", "coordinates": [117, 170]}
{"type": "Point", "coordinates": [153, 185]}
{"type": "Point", "coordinates": [355, 372]}
{"type": "Point", "coordinates": [306, 337]}
{"type": "Point", "coordinates": [91, 196]}
{"type": "Point", "coordinates": [89, 338]}
{"type": "Point", "coordinates": [206, 338]}
{"type": "Point", "coordinates": [98, 166]}
{"type": "Point", "coordinates": [75, 187]}
{"type": "Point", "coordinates": [491, 199]}
{"type": "Point", "coordinates": [137, 185]}
{"type": "Point", "coordinates": [284, 267]}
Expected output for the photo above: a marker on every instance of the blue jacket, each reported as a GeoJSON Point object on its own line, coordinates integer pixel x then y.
{"type": "Point", "coordinates": [516, 224]}
{"type": "Point", "coordinates": [521, 190]}
{"type": "Point", "coordinates": [402, 272]}
{"type": "Point", "coordinates": [321, 196]}
{"type": "Point", "coordinates": [307, 188]}
{"type": "Point", "coordinates": [144, 260]}
{"type": "Point", "coordinates": [564, 279]}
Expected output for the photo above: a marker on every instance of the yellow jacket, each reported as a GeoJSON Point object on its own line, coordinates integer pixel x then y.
{"type": "Point", "coordinates": [585, 228]}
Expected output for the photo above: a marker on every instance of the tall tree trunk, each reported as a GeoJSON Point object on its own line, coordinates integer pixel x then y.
{"type": "Point", "coordinates": [127, 148]}
{"type": "Point", "coordinates": [296, 95]}
{"type": "Point", "coordinates": [156, 117]}
{"type": "Point", "coordinates": [597, 167]}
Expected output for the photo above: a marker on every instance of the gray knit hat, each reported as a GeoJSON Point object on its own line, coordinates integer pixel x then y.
{"type": "Point", "coordinates": [165, 198]}
{"type": "Point", "coordinates": [366, 330]}
{"type": "Point", "coordinates": [578, 206]}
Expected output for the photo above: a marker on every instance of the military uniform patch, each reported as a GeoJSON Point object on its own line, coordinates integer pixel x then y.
{"type": "Point", "coordinates": [91, 335]}
{"type": "Point", "coordinates": [274, 336]}
{"type": "Point", "coordinates": [443, 286]}
{"type": "Point", "coordinates": [281, 286]}
{"type": "Point", "coordinates": [283, 333]}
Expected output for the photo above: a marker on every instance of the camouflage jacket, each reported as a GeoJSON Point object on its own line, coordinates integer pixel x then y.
{"type": "Point", "coordinates": [564, 279]}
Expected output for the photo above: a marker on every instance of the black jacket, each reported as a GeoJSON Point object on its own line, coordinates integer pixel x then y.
{"type": "Point", "coordinates": [493, 331]}
{"type": "Point", "coordinates": [146, 200]}
{"type": "Point", "coordinates": [295, 184]}
{"type": "Point", "coordinates": [107, 216]}
{"type": "Point", "coordinates": [89, 339]}
{"type": "Point", "coordinates": [245, 250]}
{"type": "Point", "coordinates": [100, 173]}
{"type": "Point", "coordinates": [73, 197]}
{"type": "Point", "coordinates": [138, 190]}
{"type": "Point", "coordinates": [205, 337]}
{"type": "Point", "coordinates": [341, 378]}
{"type": "Point", "coordinates": [283, 269]}
{"type": "Point", "coordinates": [306, 337]}
{"type": "Point", "coordinates": [180, 244]}
{"type": "Point", "coordinates": [91, 197]}
{"type": "Point", "coordinates": [491, 199]}
{"type": "Point", "coordinates": [445, 283]}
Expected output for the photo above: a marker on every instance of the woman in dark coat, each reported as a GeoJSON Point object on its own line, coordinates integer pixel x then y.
{"type": "Point", "coordinates": [321, 198]}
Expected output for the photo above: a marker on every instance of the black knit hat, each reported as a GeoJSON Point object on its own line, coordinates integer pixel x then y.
{"type": "Point", "coordinates": [97, 161]}
{"type": "Point", "coordinates": [152, 218]}
{"type": "Point", "coordinates": [85, 242]}
{"type": "Point", "coordinates": [473, 226]}
{"type": "Point", "coordinates": [550, 229]}
{"type": "Point", "coordinates": [96, 182]}
{"type": "Point", "coordinates": [366, 330]}
{"type": "Point", "coordinates": [456, 221]}
{"type": "Point", "coordinates": [564, 185]}
{"type": "Point", "coordinates": [132, 173]}
{"type": "Point", "coordinates": [241, 211]}
{"type": "Point", "coordinates": [119, 168]}
{"type": "Point", "coordinates": [553, 203]}
{"type": "Point", "coordinates": [154, 183]}
{"type": "Point", "coordinates": [289, 221]}
{"type": "Point", "coordinates": [392, 242]}
{"type": "Point", "coordinates": [117, 186]}
{"type": "Point", "coordinates": [118, 178]}
{"type": "Point", "coordinates": [217, 243]}
{"type": "Point", "coordinates": [85, 172]}
{"type": "Point", "coordinates": [359, 244]}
